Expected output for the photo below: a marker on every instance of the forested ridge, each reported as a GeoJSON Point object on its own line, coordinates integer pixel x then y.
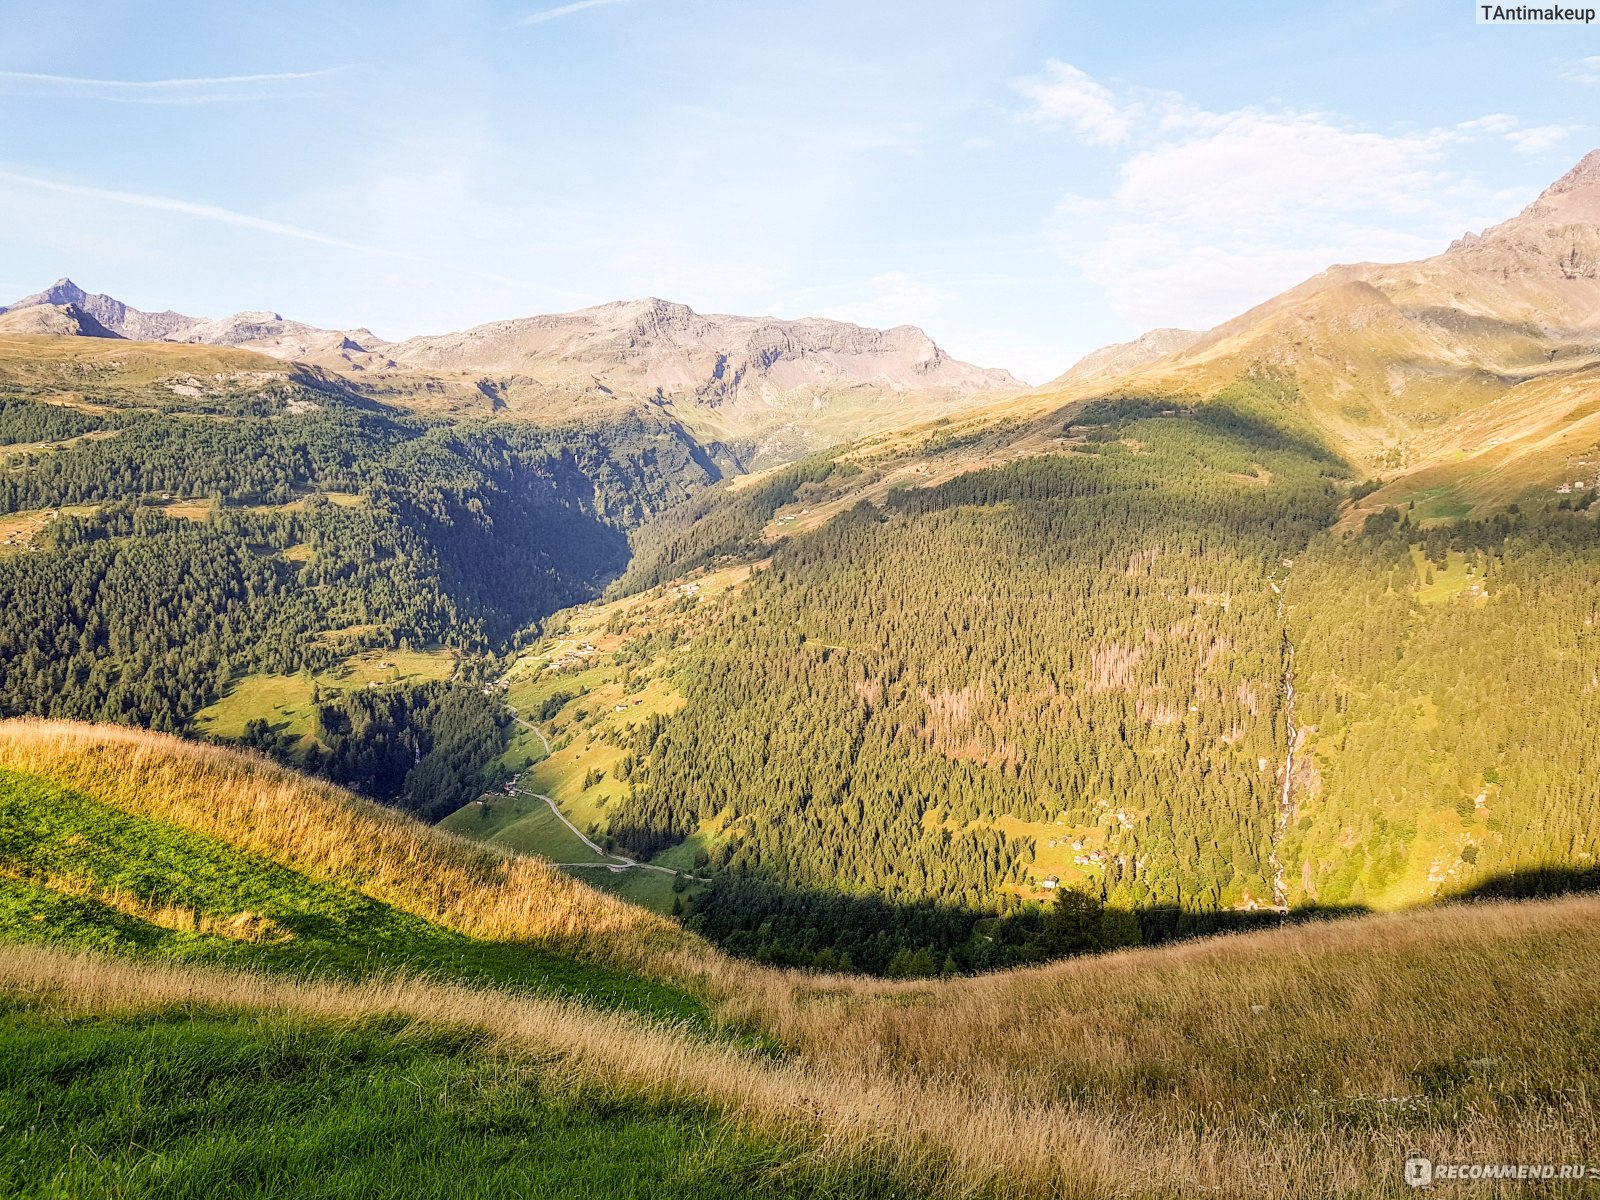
{"type": "Point", "coordinates": [1449, 682]}
{"type": "Point", "coordinates": [721, 523]}
{"type": "Point", "coordinates": [1073, 667]}
{"type": "Point", "coordinates": [196, 544]}
{"type": "Point", "coordinates": [1087, 638]}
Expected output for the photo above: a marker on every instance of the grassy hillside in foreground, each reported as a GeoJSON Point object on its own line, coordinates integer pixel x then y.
{"type": "Point", "coordinates": [1308, 1061]}
{"type": "Point", "coordinates": [75, 872]}
{"type": "Point", "coordinates": [282, 845]}
{"type": "Point", "coordinates": [174, 1106]}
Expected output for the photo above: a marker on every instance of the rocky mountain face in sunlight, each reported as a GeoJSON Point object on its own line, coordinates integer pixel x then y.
{"type": "Point", "coordinates": [769, 389]}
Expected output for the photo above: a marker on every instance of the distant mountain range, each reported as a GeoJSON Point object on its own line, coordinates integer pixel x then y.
{"type": "Point", "coordinates": [1466, 357]}
{"type": "Point", "coordinates": [774, 388]}
{"type": "Point", "coordinates": [98, 315]}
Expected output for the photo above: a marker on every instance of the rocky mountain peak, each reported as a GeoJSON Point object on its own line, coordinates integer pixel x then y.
{"type": "Point", "coordinates": [1571, 201]}
{"type": "Point", "coordinates": [1585, 175]}
{"type": "Point", "coordinates": [62, 291]}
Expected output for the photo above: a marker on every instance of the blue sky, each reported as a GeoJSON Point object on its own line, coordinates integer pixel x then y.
{"type": "Point", "coordinates": [1025, 180]}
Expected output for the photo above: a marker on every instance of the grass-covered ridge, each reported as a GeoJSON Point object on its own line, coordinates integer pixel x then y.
{"type": "Point", "coordinates": [328, 835]}
{"type": "Point", "coordinates": [76, 872]}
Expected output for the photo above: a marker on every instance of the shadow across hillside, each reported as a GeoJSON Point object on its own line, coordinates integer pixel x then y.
{"type": "Point", "coordinates": [1264, 412]}
{"type": "Point", "coordinates": [820, 929]}
{"type": "Point", "coordinates": [829, 930]}
{"type": "Point", "coordinates": [1532, 884]}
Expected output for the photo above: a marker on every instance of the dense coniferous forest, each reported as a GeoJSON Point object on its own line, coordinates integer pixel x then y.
{"type": "Point", "coordinates": [24, 420]}
{"type": "Point", "coordinates": [1087, 638]}
{"type": "Point", "coordinates": [720, 523]}
{"type": "Point", "coordinates": [1449, 686]}
{"type": "Point", "coordinates": [1092, 645]}
{"type": "Point", "coordinates": [426, 749]}
{"type": "Point", "coordinates": [308, 527]}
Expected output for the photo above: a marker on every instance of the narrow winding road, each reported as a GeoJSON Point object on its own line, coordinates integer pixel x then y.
{"type": "Point", "coordinates": [621, 862]}
{"type": "Point", "coordinates": [536, 731]}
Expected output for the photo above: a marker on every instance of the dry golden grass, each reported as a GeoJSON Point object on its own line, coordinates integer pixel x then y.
{"type": "Point", "coordinates": [1306, 1060]}
{"type": "Point", "coordinates": [952, 1136]}
{"type": "Point", "coordinates": [39, 358]}
{"type": "Point", "coordinates": [329, 833]}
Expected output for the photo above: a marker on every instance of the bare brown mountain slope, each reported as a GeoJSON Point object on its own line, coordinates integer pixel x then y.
{"type": "Point", "coordinates": [657, 346]}
{"type": "Point", "coordinates": [1120, 357]}
{"type": "Point", "coordinates": [1486, 349]}
{"type": "Point", "coordinates": [56, 320]}
{"type": "Point", "coordinates": [778, 386]}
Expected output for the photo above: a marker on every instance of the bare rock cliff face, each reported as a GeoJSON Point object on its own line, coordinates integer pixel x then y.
{"type": "Point", "coordinates": [1557, 236]}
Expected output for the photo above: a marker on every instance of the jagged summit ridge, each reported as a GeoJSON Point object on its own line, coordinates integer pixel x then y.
{"type": "Point", "coordinates": [108, 312]}
{"type": "Point", "coordinates": [656, 345]}
{"type": "Point", "coordinates": [1585, 175]}
{"type": "Point", "coordinates": [652, 345]}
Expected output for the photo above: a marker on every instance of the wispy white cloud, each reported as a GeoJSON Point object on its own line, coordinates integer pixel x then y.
{"type": "Point", "coordinates": [1212, 212]}
{"type": "Point", "coordinates": [188, 208]}
{"type": "Point", "coordinates": [194, 90]}
{"type": "Point", "coordinates": [1585, 70]}
{"type": "Point", "coordinates": [564, 10]}
{"type": "Point", "coordinates": [1539, 138]}
{"type": "Point", "coordinates": [1064, 95]}
{"type": "Point", "coordinates": [890, 298]}
{"type": "Point", "coordinates": [1491, 123]}
{"type": "Point", "coordinates": [1532, 140]}
{"type": "Point", "coordinates": [228, 216]}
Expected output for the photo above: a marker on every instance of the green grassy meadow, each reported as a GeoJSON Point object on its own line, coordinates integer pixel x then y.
{"type": "Point", "coordinates": [199, 1105]}
{"type": "Point", "coordinates": [285, 701]}
{"type": "Point", "coordinates": [523, 823]}
{"type": "Point", "coordinates": [77, 873]}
